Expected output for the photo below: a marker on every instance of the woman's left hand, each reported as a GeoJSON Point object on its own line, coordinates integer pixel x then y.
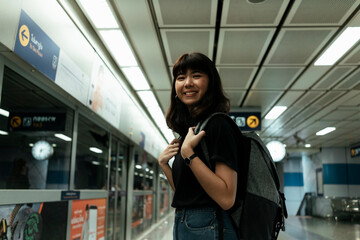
{"type": "Point", "coordinates": [190, 142]}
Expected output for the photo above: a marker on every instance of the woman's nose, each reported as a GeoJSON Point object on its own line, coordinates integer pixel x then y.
{"type": "Point", "coordinates": [188, 81]}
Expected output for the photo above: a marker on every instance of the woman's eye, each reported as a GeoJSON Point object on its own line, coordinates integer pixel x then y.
{"type": "Point", "coordinates": [197, 76]}
{"type": "Point", "coordinates": [179, 78]}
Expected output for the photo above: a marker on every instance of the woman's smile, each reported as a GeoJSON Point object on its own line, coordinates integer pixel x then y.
{"type": "Point", "coordinates": [191, 86]}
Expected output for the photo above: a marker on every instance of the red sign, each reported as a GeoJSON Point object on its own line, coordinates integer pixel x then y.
{"type": "Point", "coordinates": [88, 219]}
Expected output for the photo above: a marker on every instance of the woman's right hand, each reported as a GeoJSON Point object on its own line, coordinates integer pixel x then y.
{"type": "Point", "coordinates": [170, 151]}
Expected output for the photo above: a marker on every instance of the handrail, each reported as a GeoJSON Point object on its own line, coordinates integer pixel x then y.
{"type": "Point", "coordinates": [306, 195]}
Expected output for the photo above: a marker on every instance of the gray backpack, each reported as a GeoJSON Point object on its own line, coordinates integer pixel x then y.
{"type": "Point", "coordinates": [259, 211]}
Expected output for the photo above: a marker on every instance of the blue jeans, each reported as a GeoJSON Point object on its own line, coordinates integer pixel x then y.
{"type": "Point", "coordinates": [201, 223]}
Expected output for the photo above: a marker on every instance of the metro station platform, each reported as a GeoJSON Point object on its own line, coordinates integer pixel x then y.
{"type": "Point", "coordinates": [297, 228]}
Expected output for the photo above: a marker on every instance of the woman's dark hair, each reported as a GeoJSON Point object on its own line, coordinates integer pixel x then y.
{"type": "Point", "coordinates": [178, 117]}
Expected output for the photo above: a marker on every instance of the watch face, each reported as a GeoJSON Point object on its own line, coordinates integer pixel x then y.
{"type": "Point", "coordinates": [42, 150]}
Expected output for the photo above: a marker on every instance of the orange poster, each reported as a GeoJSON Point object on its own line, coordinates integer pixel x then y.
{"type": "Point", "coordinates": [88, 219]}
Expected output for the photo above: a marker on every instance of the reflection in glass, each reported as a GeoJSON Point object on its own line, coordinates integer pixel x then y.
{"type": "Point", "coordinates": [141, 213]}
{"type": "Point", "coordinates": [144, 171]}
{"type": "Point", "coordinates": [164, 195]}
{"type": "Point", "coordinates": [91, 156]}
{"type": "Point", "coordinates": [31, 156]}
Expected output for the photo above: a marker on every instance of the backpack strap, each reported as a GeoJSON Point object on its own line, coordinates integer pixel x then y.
{"type": "Point", "coordinates": [201, 126]}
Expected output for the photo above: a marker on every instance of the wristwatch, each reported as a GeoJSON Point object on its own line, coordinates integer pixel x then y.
{"type": "Point", "coordinates": [189, 159]}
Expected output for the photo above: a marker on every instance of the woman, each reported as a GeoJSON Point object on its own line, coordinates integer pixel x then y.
{"type": "Point", "coordinates": [201, 194]}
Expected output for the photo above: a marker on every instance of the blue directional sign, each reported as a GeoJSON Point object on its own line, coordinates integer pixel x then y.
{"type": "Point", "coordinates": [35, 47]}
{"type": "Point", "coordinates": [247, 121]}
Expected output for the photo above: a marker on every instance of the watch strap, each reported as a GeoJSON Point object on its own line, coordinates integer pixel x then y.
{"type": "Point", "coordinates": [189, 159]}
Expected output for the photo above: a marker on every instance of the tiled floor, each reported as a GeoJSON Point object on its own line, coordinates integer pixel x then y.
{"type": "Point", "coordinates": [297, 228]}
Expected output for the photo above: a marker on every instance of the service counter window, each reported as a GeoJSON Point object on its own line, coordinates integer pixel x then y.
{"type": "Point", "coordinates": [91, 156]}
{"type": "Point", "coordinates": [35, 136]}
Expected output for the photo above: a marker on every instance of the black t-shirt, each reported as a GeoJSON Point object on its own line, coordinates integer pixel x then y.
{"type": "Point", "coordinates": [221, 142]}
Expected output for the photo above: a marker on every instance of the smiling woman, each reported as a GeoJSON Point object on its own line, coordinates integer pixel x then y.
{"type": "Point", "coordinates": [202, 193]}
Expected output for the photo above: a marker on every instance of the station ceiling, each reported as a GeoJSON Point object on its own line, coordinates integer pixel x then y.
{"type": "Point", "coordinates": [265, 55]}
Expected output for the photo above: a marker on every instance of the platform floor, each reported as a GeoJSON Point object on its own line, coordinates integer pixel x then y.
{"type": "Point", "coordinates": [299, 228]}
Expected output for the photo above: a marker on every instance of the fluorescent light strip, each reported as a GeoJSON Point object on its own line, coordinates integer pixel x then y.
{"type": "Point", "coordinates": [307, 145]}
{"type": "Point", "coordinates": [159, 118]}
{"type": "Point", "coordinates": [339, 47]}
{"type": "Point", "coordinates": [136, 78]}
{"type": "Point", "coordinates": [119, 47]}
{"type": "Point", "coordinates": [3, 132]}
{"type": "Point", "coordinates": [95, 150]}
{"type": "Point", "coordinates": [275, 112]}
{"type": "Point", "coordinates": [4, 112]}
{"type": "Point", "coordinates": [325, 131]}
{"type": "Point", "coordinates": [148, 98]}
{"type": "Point", "coordinates": [100, 13]}
{"type": "Point", "coordinates": [63, 137]}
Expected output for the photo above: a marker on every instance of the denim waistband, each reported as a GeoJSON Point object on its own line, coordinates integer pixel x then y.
{"type": "Point", "coordinates": [198, 209]}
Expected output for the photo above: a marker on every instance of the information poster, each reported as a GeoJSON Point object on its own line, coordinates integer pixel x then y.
{"type": "Point", "coordinates": [88, 219]}
{"type": "Point", "coordinates": [35, 221]}
{"type": "Point", "coordinates": [104, 95]}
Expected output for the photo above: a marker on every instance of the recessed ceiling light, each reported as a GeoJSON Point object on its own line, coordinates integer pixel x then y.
{"type": "Point", "coordinates": [325, 131]}
{"type": "Point", "coordinates": [4, 112]}
{"type": "Point", "coordinates": [275, 112]}
{"type": "Point", "coordinates": [119, 47]}
{"type": "Point", "coordinates": [100, 13]}
{"type": "Point", "coordinates": [63, 137]}
{"type": "Point", "coordinates": [339, 47]}
{"type": "Point", "coordinates": [95, 150]}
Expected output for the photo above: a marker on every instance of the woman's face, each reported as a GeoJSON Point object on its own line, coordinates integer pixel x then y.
{"type": "Point", "coordinates": [191, 86]}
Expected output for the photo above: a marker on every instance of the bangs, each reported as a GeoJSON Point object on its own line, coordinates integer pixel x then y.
{"type": "Point", "coordinates": [190, 61]}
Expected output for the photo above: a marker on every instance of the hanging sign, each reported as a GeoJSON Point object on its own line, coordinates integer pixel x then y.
{"type": "Point", "coordinates": [37, 121]}
{"type": "Point", "coordinates": [35, 47]}
{"type": "Point", "coordinates": [355, 151]}
{"type": "Point", "coordinates": [247, 121]}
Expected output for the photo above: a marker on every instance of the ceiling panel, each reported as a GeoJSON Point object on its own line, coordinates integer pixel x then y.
{"type": "Point", "coordinates": [327, 98]}
{"type": "Point", "coordinates": [242, 46]}
{"type": "Point", "coordinates": [289, 98]}
{"type": "Point", "coordinates": [339, 115]}
{"type": "Point", "coordinates": [276, 78]}
{"type": "Point", "coordinates": [353, 58]}
{"type": "Point", "coordinates": [332, 77]}
{"type": "Point", "coordinates": [265, 99]}
{"type": "Point", "coordinates": [185, 13]}
{"type": "Point", "coordinates": [164, 98]}
{"type": "Point", "coordinates": [323, 12]}
{"type": "Point", "coordinates": [235, 97]}
{"type": "Point", "coordinates": [308, 43]}
{"type": "Point", "coordinates": [309, 77]}
{"type": "Point", "coordinates": [244, 13]}
{"type": "Point", "coordinates": [179, 41]}
{"type": "Point", "coordinates": [350, 82]}
{"type": "Point", "coordinates": [236, 77]}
